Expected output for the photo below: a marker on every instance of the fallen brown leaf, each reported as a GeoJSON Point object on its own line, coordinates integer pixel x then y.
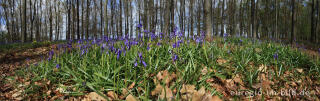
{"type": "Point", "coordinates": [93, 96]}
{"type": "Point", "coordinates": [112, 95]}
{"type": "Point", "coordinates": [299, 70]}
{"type": "Point", "coordinates": [216, 98]}
{"type": "Point", "coordinates": [187, 89]}
{"type": "Point", "coordinates": [199, 95]}
{"type": "Point", "coordinates": [132, 85]}
{"type": "Point", "coordinates": [130, 98]}
{"type": "Point", "coordinates": [262, 68]}
{"type": "Point", "coordinates": [166, 94]}
{"type": "Point", "coordinates": [204, 71]}
{"type": "Point", "coordinates": [157, 90]}
{"type": "Point", "coordinates": [221, 61]}
{"type": "Point", "coordinates": [124, 91]}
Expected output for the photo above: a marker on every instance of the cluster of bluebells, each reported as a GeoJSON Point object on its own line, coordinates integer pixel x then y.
{"type": "Point", "coordinates": [107, 45]}
{"type": "Point", "coordinates": [275, 56]}
{"type": "Point", "coordinates": [140, 57]}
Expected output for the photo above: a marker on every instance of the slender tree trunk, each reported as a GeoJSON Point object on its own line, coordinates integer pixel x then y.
{"type": "Point", "coordinates": [167, 17]}
{"type": "Point", "coordinates": [50, 21]}
{"type": "Point", "coordinates": [78, 20]}
{"type": "Point", "coordinates": [87, 17]}
{"type": "Point", "coordinates": [292, 21]}
{"type": "Point", "coordinates": [31, 21]}
{"type": "Point", "coordinates": [120, 17]}
{"type": "Point", "coordinates": [25, 21]}
{"type": "Point", "coordinates": [312, 38]}
{"type": "Point", "coordinates": [207, 20]}
{"type": "Point", "coordinates": [191, 17]}
{"type": "Point", "coordinates": [253, 19]}
{"type": "Point", "coordinates": [106, 19]}
{"type": "Point", "coordinates": [222, 19]}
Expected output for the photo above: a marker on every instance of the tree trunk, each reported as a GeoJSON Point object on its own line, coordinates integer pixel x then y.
{"type": "Point", "coordinates": [312, 38]}
{"type": "Point", "coordinates": [207, 14]}
{"type": "Point", "coordinates": [87, 17]}
{"type": "Point", "coordinates": [78, 20]}
{"type": "Point", "coordinates": [25, 21]}
{"type": "Point", "coordinates": [222, 19]}
{"type": "Point", "coordinates": [292, 21]}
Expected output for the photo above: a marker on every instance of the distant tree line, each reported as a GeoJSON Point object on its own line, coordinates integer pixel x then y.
{"type": "Point", "coordinates": [39, 20]}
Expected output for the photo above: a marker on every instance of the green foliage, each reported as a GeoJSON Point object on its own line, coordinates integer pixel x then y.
{"type": "Point", "coordinates": [101, 71]}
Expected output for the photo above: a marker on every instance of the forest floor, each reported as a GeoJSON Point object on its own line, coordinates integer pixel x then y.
{"type": "Point", "coordinates": [13, 80]}
{"type": "Point", "coordinates": [12, 60]}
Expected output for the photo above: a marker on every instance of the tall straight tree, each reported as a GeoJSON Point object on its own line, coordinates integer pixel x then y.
{"type": "Point", "coordinates": [167, 17]}
{"type": "Point", "coordinates": [50, 21]}
{"type": "Point", "coordinates": [253, 34]}
{"type": "Point", "coordinates": [101, 19]}
{"type": "Point", "coordinates": [78, 20]}
{"type": "Point", "coordinates": [191, 18]}
{"type": "Point", "coordinates": [25, 21]}
{"type": "Point", "coordinates": [106, 19]}
{"type": "Point", "coordinates": [207, 15]}
{"type": "Point", "coordinates": [312, 38]}
{"type": "Point", "coordinates": [87, 17]}
{"type": "Point", "coordinates": [292, 20]}
{"type": "Point", "coordinates": [222, 19]}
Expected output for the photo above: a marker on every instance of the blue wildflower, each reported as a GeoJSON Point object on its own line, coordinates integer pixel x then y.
{"type": "Point", "coordinates": [139, 26]}
{"type": "Point", "coordinates": [144, 63]}
{"type": "Point", "coordinates": [51, 53]}
{"type": "Point", "coordinates": [140, 55]}
{"type": "Point", "coordinates": [175, 57]}
{"type": "Point", "coordinates": [103, 47]}
{"type": "Point", "coordinates": [225, 35]}
{"type": "Point", "coordinates": [174, 45]}
{"type": "Point", "coordinates": [275, 56]}
{"type": "Point", "coordinates": [57, 66]}
{"type": "Point", "coordinates": [198, 40]}
{"type": "Point", "coordinates": [136, 64]}
{"type": "Point", "coordinates": [82, 52]}
{"type": "Point", "coordinates": [118, 54]}
{"type": "Point", "coordinates": [148, 47]}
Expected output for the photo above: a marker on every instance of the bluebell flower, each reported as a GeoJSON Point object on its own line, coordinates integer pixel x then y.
{"type": "Point", "coordinates": [79, 41]}
{"type": "Point", "coordinates": [82, 52]}
{"type": "Point", "coordinates": [57, 66]}
{"type": "Point", "coordinates": [139, 26]}
{"type": "Point", "coordinates": [180, 34]}
{"type": "Point", "coordinates": [118, 54]}
{"type": "Point", "coordinates": [148, 47]}
{"type": "Point", "coordinates": [103, 47]}
{"type": "Point", "coordinates": [198, 40]}
{"type": "Point", "coordinates": [275, 56]}
{"type": "Point", "coordinates": [144, 63]}
{"type": "Point", "coordinates": [158, 44]}
{"type": "Point", "coordinates": [51, 53]}
{"type": "Point", "coordinates": [146, 31]}
{"type": "Point", "coordinates": [136, 64]}
{"type": "Point", "coordinates": [161, 35]}
{"type": "Point", "coordinates": [174, 45]}
{"type": "Point", "coordinates": [175, 57]}
{"type": "Point", "coordinates": [140, 55]}
{"type": "Point", "coordinates": [225, 35]}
